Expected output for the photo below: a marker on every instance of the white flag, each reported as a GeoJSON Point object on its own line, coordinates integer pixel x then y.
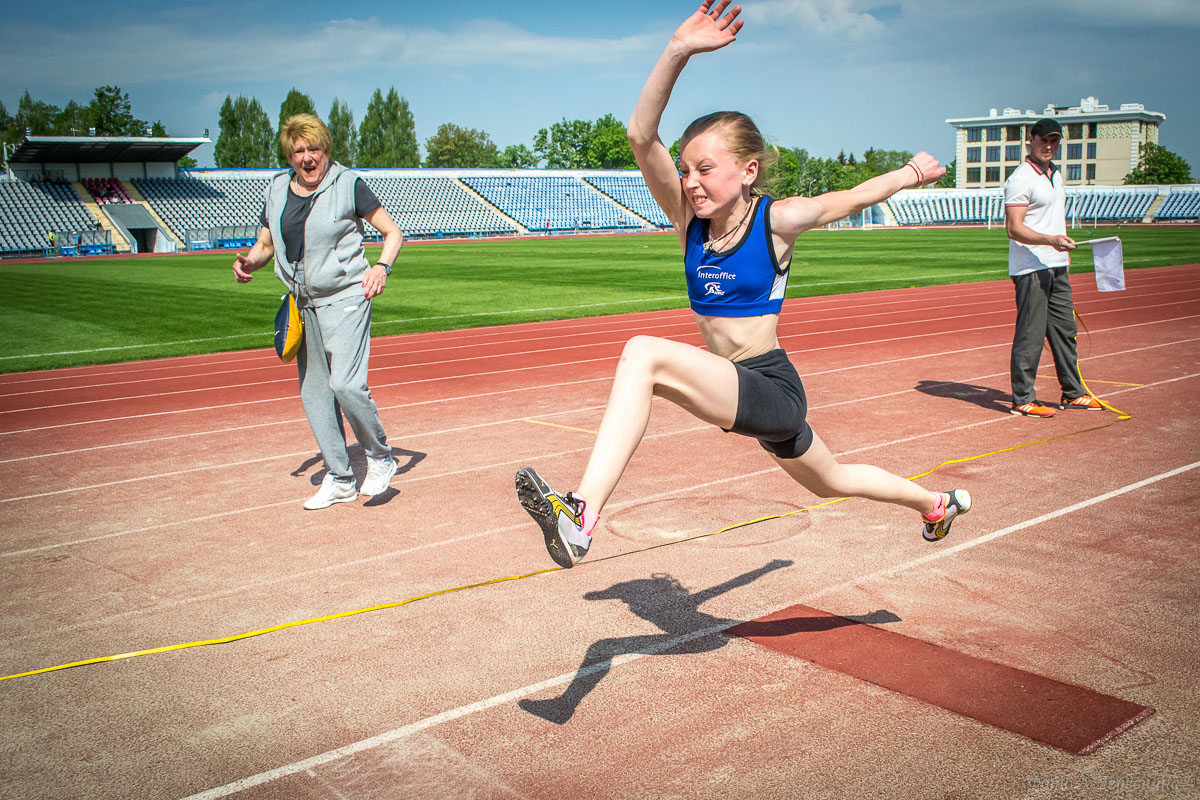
{"type": "Point", "coordinates": [1110, 263]}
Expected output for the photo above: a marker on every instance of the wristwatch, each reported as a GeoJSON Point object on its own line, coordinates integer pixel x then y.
{"type": "Point", "coordinates": [387, 268]}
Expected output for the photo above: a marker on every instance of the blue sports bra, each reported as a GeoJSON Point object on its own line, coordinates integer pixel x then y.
{"type": "Point", "coordinates": [745, 281]}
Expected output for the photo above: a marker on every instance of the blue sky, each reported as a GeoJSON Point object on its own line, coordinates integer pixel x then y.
{"type": "Point", "coordinates": [826, 75]}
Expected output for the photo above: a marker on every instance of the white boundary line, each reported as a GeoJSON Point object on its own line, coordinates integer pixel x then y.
{"type": "Point", "coordinates": [308, 451]}
{"type": "Point", "coordinates": [794, 353]}
{"type": "Point", "coordinates": [565, 678]}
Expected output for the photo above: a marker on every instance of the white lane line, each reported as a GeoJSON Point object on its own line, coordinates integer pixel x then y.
{"type": "Point", "coordinates": [403, 345]}
{"type": "Point", "coordinates": [410, 437]}
{"type": "Point", "coordinates": [794, 353]}
{"type": "Point", "coordinates": [382, 369]}
{"type": "Point", "coordinates": [610, 664]}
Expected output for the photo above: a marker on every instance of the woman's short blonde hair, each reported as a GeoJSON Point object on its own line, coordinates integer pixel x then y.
{"type": "Point", "coordinates": [306, 128]}
{"type": "Point", "coordinates": [743, 139]}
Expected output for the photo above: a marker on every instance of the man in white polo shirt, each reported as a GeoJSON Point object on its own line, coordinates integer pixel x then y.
{"type": "Point", "coordinates": [1036, 220]}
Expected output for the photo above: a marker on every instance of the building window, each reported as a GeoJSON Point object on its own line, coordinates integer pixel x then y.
{"type": "Point", "coordinates": [972, 174]}
{"type": "Point", "coordinates": [1091, 172]}
{"type": "Point", "coordinates": [993, 133]}
{"type": "Point", "coordinates": [1091, 130]}
{"type": "Point", "coordinates": [1013, 133]}
{"type": "Point", "coordinates": [1008, 171]}
{"type": "Point", "coordinates": [974, 134]}
{"type": "Point", "coordinates": [1091, 150]}
{"type": "Point", "coordinates": [1012, 152]}
{"type": "Point", "coordinates": [993, 153]}
{"type": "Point", "coordinates": [973, 155]}
{"type": "Point", "coordinates": [1075, 151]}
{"type": "Point", "coordinates": [1075, 130]}
{"type": "Point", "coordinates": [993, 174]}
{"type": "Point", "coordinates": [1073, 172]}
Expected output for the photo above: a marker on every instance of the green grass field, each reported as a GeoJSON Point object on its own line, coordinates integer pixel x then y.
{"type": "Point", "coordinates": [69, 313]}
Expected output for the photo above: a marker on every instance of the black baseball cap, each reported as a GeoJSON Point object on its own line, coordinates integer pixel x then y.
{"type": "Point", "coordinates": [1046, 127]}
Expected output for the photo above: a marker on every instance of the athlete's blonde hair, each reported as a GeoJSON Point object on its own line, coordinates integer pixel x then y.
{"type": "Point", "coordinates": [743, 139]}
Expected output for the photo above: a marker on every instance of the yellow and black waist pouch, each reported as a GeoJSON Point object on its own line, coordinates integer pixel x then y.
{"type": "Point", "coordinates": [289, 329]}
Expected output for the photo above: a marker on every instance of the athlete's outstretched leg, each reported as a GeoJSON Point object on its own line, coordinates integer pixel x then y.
{"type": "Point", "coordinates": [822, 474]}
{"type": "Point", "coordinates": [697, 381]}
{"type": "Point", "coordinates": [702, 383]}
{"type": "Point", "coordinates": [819, 472]}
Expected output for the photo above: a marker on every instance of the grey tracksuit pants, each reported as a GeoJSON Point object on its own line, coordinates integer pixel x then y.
{"type": "Point", "coordinates": [333, 381]}
{"type": "Point", "coordinates": [1045, 311]}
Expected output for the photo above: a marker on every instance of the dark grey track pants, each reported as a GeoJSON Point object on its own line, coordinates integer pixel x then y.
{"type": "Point", "coordinates": [1045, 312]}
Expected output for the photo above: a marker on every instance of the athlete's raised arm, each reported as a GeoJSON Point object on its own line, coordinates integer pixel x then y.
{"type": "Point", "coordinates": [709, 28]}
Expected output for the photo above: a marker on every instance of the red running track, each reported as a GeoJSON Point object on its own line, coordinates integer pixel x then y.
{"type": "Point", "coordinates": [156, 503]}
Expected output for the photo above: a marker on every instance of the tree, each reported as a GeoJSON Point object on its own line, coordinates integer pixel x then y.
{"type": "Point", "coordinates": [8, 131]}
{"type": "Point", "coordinates": [1157, 164]}
{"type": "Point", "coordinates": [158, 130]}
{"type": "Point", "coordinates": [516, 156]}
{"type": "Point", "coordinates": [880, 161]}
{"type": "Point", "coordinates": [187, 162]}
{"type": "Point", "coordinates": [782, 178]}
{"type": "Point", "coordinates": [947, 181]}
{"type": "Point", "coordinates": [111, 114]}
{"type": "Point", "coordinates": [341, 130]}
{"type": "Point", "coordinates": [296, 102]}
{"type": "Point", "coordinates": [564, 145]}
{"type": "Point", "coordinates": [608, 147]}
{"type": "Point", "coordinates": [387, 136]}
{"type": "Point", "coordinates": [579, 144]}
{"type": "Point", "coordinates": [455, 146]}
{"type": "Point", "coordinates": [72, 120]}
{"type": "Point", "coordinates": [246, 137]}
{"type": "Point", "coordinates": [35, 117]}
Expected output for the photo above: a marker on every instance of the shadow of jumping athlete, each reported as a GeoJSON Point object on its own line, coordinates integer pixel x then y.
{"type": "Point", "coordinates": [662, 600]}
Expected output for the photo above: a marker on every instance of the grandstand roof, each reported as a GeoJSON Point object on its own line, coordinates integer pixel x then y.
{"type": "Point", "coordinates": [101, 149]}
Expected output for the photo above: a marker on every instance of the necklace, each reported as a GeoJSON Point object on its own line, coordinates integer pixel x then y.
{"type": "Point", "coordinates": [711, 245]}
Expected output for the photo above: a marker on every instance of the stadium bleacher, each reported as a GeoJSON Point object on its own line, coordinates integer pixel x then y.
{"type": "Point", "coordinates": [1182, 203]}
{"type": "Point", "coordinates": [631, 191]}
{"type": "Point", "coordinates": [220, 208]}
{"type": "Point", "coordinates": [192, 207]}
{"type": "Point", "coordinates": [552, 202]}
{"type": "Point", "coordinates": [436, 205]}
{"type": "Point", "coordinates": [29, 211]}
{"type": "Point", "coordinates": [976, 206]}
{"type": "Point", "coordinates": [107, 190]}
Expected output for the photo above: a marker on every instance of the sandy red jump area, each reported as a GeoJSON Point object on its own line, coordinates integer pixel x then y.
{"type": "Point", "coordinates": [158, 503]}
{"type": "Point", "coordinates": [1072, 718]}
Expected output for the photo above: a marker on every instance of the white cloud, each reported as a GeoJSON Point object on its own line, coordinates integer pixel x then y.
{"type": "Point", "coordinates": [156, 52]}
{"type": "Point", "coordinates": [822, 17]}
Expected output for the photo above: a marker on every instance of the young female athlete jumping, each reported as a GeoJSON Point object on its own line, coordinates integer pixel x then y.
{"type": "Point", "coordinates": [737, 248]}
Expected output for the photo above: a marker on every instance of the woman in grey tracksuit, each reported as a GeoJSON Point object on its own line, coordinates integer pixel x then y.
{"type": "Point", "coordinates": [312, 225]}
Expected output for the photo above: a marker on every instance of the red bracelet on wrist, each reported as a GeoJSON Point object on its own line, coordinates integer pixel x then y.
{"type": "Point", "coordinates": [920, 175]}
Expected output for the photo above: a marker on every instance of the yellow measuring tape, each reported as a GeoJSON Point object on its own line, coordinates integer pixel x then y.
{"type": "Point", "coordinates": [298, 623]}
{"type": "Point", "coordinates": [1120, 414]}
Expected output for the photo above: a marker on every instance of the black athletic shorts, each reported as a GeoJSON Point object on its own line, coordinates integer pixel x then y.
{"type": "Point", "coordinates": [772, 406]}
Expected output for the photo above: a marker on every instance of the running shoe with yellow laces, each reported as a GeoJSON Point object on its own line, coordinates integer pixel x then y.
{"type": "Point", "coordinates": [565, 519]}
{"type": "Point", "coordinates": [1083, 402]}
{"type": "Point", "coordinates": [1034, 409]}
{"type": "Point", "coordinates": [950, 505]}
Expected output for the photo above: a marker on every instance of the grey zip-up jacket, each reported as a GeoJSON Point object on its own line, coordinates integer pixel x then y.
{"type": "Point", "coordinates": [334, 260]}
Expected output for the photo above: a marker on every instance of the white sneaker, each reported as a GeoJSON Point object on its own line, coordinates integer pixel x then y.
{"type": "Point", "coordinates": [379, 474]}
{"type": "Point", "coordinates": [331, 492]}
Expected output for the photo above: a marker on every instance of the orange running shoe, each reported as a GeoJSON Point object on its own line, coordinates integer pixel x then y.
{"type": "Point", "coordinates": [1085, 402]}
{"type": "Point", "coordinates": [1034, 409]}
